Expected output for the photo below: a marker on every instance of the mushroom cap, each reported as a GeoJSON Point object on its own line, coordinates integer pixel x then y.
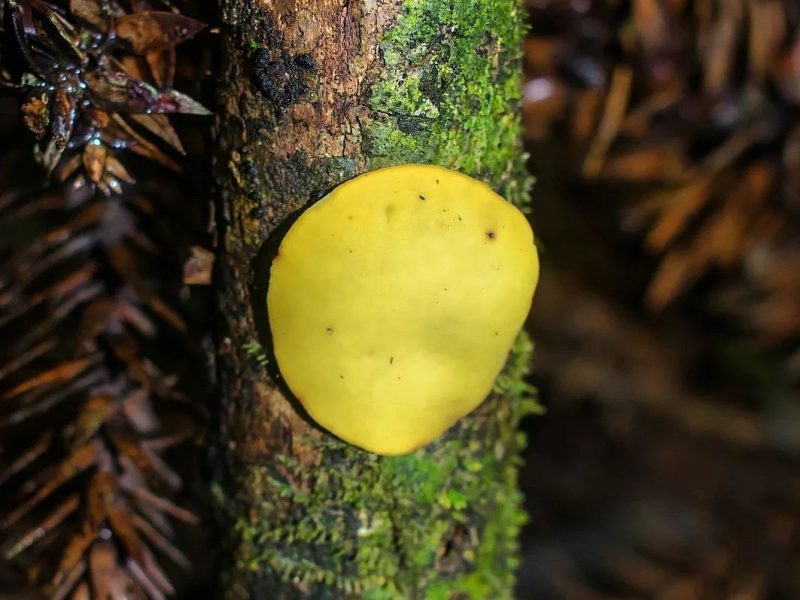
{"type": "Point", "coordinates": [393, 303]}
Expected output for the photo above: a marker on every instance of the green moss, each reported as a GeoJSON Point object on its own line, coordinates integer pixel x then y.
{"type": "Point", "coordinates": [450, 91]}
{"type": "Point", "coordinates": [255, 351]}
{"type": "Point", "coordinates": [441, 520]}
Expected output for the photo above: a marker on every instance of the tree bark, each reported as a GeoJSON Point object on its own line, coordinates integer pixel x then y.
{"type": "Point", "coordinates": [312, 94]}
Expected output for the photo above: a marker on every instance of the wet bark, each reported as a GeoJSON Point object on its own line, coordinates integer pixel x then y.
{"type": "Point", "coordinates": [311, 94]}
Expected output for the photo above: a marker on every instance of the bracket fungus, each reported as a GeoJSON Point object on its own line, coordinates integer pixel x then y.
{"type": "Point", "coordinates": [393, 303]}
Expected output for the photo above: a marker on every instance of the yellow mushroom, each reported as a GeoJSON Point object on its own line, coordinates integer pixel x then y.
{"type": "Point", "coordinates": [394, 300]}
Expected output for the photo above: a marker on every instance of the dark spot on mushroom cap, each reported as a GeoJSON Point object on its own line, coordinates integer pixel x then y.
{"type": "Point", "coordinates": [437, 182]}
{"type": "Point", "coordinates": [421, 197]}
{"type": "Point", "coordinates": [491, 234]}
{"type": "Point", "coordinates": [329, 330]}
{"type": "Point", "coordinates": [391, 359]}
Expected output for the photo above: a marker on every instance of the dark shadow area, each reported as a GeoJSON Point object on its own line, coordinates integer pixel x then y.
{"type": "Point", "coordinates": [259, 277]}
{"type": "Point", "coordinates": [667, 463]}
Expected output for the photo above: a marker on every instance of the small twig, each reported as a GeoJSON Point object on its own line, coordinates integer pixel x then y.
{"type": "Point", "coordinates": [613, 114]}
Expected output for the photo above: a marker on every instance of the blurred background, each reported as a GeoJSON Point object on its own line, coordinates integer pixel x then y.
{"type": "Point", "coordinates": [664, 136]}
{"type": "Point", "coordinates": [665, 139]}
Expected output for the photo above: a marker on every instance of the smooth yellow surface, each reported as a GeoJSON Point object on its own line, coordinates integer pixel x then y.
{"type": "Point", "coordinates": [394, 301]}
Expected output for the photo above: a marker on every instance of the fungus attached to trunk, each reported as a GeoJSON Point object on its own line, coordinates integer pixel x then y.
{"type": "Point", "coordinates": [394, 300]}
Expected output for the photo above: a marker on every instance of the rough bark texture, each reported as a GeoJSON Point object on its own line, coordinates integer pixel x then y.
{"type": "Point", "coordinates": [312, 94]}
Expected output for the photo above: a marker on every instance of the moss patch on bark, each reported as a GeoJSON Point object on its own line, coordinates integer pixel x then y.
{"type": "Point", "coordinates": [450, 90]}
{"type": "Point", "coordinates": [440, 521]}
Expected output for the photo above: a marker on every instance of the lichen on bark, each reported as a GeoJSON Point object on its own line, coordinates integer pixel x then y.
{"type": "Point", "coordinates": [313, 95]}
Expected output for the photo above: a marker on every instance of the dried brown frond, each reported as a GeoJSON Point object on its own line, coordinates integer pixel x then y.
{"type": "Point", "coordinates": [85, 81]}
{"type": "Point", "coordinates": [86, 490]}
{"type": "Point", "coordinates": [695, 107]}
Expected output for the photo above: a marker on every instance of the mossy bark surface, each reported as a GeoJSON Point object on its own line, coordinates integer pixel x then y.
{"type": "Point", "coordinates": [312, 94]}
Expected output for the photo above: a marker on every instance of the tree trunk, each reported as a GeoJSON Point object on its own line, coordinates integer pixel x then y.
{"type": "Point", "coordinates": [312, 94]}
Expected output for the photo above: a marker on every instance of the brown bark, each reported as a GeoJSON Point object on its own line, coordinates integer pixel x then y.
{"type": "Point", "coordinates": [295, 115]}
